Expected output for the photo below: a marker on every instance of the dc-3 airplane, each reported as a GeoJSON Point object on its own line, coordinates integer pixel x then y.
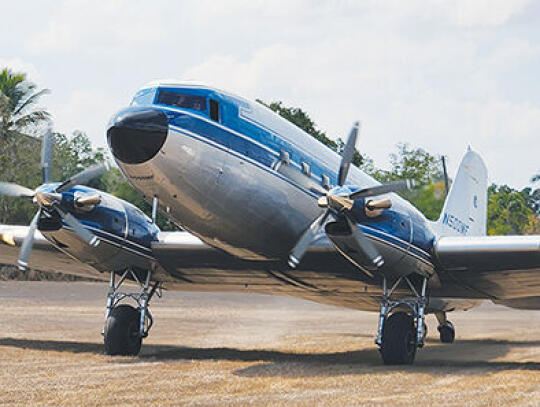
{"type": "Point", "coordinates": [267, 209]}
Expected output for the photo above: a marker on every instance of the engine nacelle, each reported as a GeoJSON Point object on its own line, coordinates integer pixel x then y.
{"type": "Point", "coordinates": [125, 233]}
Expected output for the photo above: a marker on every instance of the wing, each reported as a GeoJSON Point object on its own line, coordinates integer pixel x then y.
{"type": "Point", "coordinates": [504, 268]}
{"type": "Point", "coordinates": [44, 257]}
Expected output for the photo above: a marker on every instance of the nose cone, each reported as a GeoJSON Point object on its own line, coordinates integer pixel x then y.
{"type": "Point", "coordinates": [136, 134]}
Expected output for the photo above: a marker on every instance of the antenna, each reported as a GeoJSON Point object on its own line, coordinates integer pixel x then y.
{"type": "Point", "coordinates": [443, 159]}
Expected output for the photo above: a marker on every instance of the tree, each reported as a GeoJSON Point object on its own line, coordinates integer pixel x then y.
{"type": "Point", "coordinates": [511, 211]}
{"type": "Point", "coordinates": [73, 154]}
{"type": "Point", "coordinates": [18, 112]}
{"type": "Point", "coordinates": [20, 164]}
{"type": "Point", "coordinates": [414, 163]}
{"type": "Point", "coordinates": [426, 170]}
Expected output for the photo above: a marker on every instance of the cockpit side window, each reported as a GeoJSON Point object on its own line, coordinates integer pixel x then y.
{"type": "Point", "coordinates": [214, 110]}
{"type": "Point", "coordinates": [183, 100]}
{"type": "Point", "coordinates": [144, 97]}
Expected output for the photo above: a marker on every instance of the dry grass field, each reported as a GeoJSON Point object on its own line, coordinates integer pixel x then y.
{"type": "Point", "coordinates": [239, 349]}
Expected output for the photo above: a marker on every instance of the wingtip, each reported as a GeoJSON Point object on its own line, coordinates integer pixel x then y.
{"type": "Point", "coordinates": [7, 238]}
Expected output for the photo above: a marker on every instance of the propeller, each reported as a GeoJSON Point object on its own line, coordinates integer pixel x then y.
{"type": "Point", "coordinates": [50, 201]}
{"type": "Point", "coordinates": [84, 176]}
{"type": "Point", "coordinates": [10, 189]}
{"type": "Point", "coordinates": [46, 155]}
{"type": "Point", "coordinates": [28, 242]}
{"type": "Point", "coordinates": [338, 203]}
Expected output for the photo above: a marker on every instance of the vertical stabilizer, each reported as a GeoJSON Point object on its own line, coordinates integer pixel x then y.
{"type": "Point", "coordinates": [465, 210]}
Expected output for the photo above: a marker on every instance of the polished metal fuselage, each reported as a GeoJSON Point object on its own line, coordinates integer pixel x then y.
{"type": "Point", "coordinates": [255, 217]}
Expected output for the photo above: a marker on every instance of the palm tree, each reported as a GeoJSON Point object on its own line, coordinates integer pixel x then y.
{"type": "Point", "coordinates": [18, 98]}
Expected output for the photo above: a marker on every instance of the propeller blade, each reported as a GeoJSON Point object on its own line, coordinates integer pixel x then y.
{"type": "Point", "coordinates": [382, 189]}
{"type": "Point", "coordinates": [348, 154]}
{"type": "Point", "coordinates": [84, 176]}
{"type": "Point", "coordinates": [10, 189]}
{"type": "Point", "coordinates": [365, 244]}
{"type": "Point", "coordinates": [354, 238]}
{"type": "Point", "coordinates": [83, 233]}
{"type": "Point", "coordinates": [28, 242]}
{"type": "Point", "coordinates": [305, 240]}
{"type": "Point", "coordinates": [46, 155]}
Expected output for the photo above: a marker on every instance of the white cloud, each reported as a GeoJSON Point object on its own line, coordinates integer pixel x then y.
{"type": "Point", "coordinates": [83, 26]}
{"type": "Point", "coordinates": [89, 106]}
{"type": "Point", "coordinates": [486, 12]}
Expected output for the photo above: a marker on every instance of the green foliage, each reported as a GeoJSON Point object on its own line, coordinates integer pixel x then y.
{"type": "Point", "coordinates": [18, 98]}
{"type": "Point", "coordinates": [73, 154]}
{"type": "Point", "coordinates": [416, 164]}
{"type": "Point", "coordinates": [513, 212]}
{"type": "Point", "coordinates": [426, 170]}
{"type": "Point", "coordinates": [20, 163]}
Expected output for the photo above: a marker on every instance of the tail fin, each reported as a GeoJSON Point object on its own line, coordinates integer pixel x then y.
{"type": "Point", "coordinates": [465, 210]}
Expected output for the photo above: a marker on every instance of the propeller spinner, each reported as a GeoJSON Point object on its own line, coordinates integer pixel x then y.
{"type": "Point", "coordinates": [339, 201]}
{"type": "Point", "coordinates": [48, 198]}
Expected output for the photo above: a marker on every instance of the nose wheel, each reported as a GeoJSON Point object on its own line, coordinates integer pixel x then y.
{"type": "Point", "coordinates": [121, 332]}
{"type": "Point", "coordinates": [126, 325]}
{"type": "Point", "coordinates": [398, 345]}
{"type": "Point", "coordinates": [401, 333]}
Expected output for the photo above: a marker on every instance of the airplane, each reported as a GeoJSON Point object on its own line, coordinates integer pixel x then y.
{"type": "Point", "coordinates": [266, 208]}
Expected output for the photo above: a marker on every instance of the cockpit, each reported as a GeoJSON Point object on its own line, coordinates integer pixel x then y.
{"type": "Point", "coordinates": [195, 100]}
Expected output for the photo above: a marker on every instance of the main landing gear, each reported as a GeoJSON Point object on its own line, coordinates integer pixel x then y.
{"type": "Point", "coordinates": [400, 333]}
{"type": "Point", "coordinates": [125, 325]}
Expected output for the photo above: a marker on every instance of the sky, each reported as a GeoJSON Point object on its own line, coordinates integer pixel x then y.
{"type": "Point", "coordinates": [441, 75]}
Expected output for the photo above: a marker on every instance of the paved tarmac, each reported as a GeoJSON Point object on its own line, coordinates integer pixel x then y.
{"type": "Point", "coordinates": [215, 349]}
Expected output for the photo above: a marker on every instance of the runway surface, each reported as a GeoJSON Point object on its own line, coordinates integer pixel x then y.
{"type": "Point", "coordinates": [241, 349]}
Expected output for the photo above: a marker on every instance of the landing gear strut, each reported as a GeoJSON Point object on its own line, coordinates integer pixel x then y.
{"type": "Point", "coordinates": [401, 333]}
{"type": "Point", "coordinates": [446, 328]}
{"type": "Point", "coordinates": [125, 325]}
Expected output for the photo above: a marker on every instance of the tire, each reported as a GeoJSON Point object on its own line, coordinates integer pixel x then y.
{"type": "Point", "coordinates": [122, 331]}
{"type": "Point", "coordinates": [399, 340]}
{"type": "Point", "coordinates": [447, 332]}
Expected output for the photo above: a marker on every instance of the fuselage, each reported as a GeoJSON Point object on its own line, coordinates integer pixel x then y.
{"type": "Point", "coordinates": [242, 178]}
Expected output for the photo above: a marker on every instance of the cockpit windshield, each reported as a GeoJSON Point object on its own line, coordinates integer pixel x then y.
{"type": "Point", "coordinates": [144, 97]}
{"type": "Point", "coordinates": [172, 97]}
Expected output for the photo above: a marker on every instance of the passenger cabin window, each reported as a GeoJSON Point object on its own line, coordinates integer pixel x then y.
{"type": "Point", "coordinates": [306, 169]}
{"type": "Point", "coordinates": [214, 110]}
{"type": "Point", "coordinates": [325, 181]}
{"type": "Point", "coordinates": [183, 100]}
{"type": "Point", "coordinates": [285, 157]}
